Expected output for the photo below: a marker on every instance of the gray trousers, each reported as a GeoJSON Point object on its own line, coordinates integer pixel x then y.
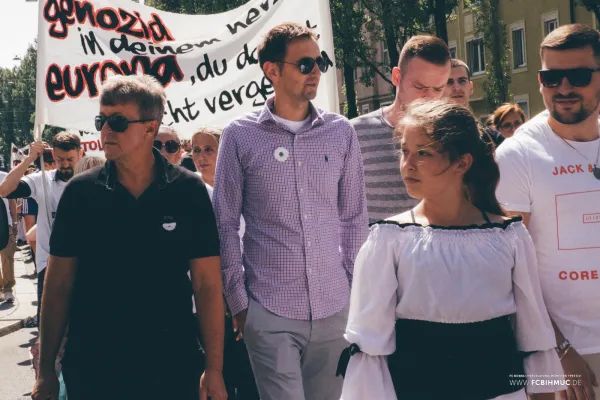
{"type": "Point", "coordinates": [293, 359]}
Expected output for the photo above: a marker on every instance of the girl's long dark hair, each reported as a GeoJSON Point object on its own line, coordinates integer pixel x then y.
{"type": "Point", "coordinates": [455, 130]}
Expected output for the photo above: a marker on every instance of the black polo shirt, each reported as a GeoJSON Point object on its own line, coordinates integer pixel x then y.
{"type": "Point", "coordinates": [132, 297]}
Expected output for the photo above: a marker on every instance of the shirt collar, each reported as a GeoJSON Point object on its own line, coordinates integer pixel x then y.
{"type": "Point", "coordinates": [266, 115]}
{"type": "Point", "coordinates": [166, 173]}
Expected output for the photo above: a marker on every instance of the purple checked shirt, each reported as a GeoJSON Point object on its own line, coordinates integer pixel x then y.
{"type": "Point", "coordinates": [303, 199]}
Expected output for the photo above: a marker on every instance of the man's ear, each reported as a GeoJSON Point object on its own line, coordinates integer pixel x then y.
{"type": "Point", "coordinates": [272, 71]}
{"type": "Point", "coordinates": [152, 129]}
{"type": "Point", "coordinates": [396, 76]}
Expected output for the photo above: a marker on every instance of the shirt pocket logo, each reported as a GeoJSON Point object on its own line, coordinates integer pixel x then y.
{"type": "Point", "coordinates": [169, 224]}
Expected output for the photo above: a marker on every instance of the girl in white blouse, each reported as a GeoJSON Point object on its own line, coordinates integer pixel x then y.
{"type": "Point", "coordinates": [445, 301]}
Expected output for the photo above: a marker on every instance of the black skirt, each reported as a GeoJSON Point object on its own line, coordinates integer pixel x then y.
{"type": "Point", "coordinates": [470, 361]}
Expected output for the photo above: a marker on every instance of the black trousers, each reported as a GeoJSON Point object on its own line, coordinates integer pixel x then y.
{"type": "Point", "coordinates": [237, 371]}
{"type": "Point", "coordinates": [85, 382]}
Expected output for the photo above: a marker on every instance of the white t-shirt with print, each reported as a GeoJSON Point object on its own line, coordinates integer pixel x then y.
{"type": "Point", "coordinates": [542, 175]}
{"type": "Point", "coordinates": [55, 189]}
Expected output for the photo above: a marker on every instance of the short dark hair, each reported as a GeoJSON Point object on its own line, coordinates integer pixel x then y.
{"type": "Point", "coordinates": [66, 141]}
{"type": "Point", "coordinates": [430, 48]}
{"type": "Point", "coordinates": [573, 36]}
{"type": "Point", "coordinates": [455, 63]}
{"type": "Point", "coordinates": [142, 90]}
{"type": "Point", "coordinates": [274, 46]}
{"type": "Point", "coordinates": [48, 158]}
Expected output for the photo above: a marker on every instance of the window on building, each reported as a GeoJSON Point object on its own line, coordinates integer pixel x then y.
{"type": "Point", "coordinates": [523, 102]}
{"type": "Point", "coordinates": [518, 45]}
{"type": "Point", "coordinates": [356, 75]}
{"type": "Point", "coordinates": [550, 25]}
{"type": "Point", "coordinates": [452, 48]}
{"type": "Point", "coordinates": [385, 53]}
{"type": "Point", "coordinates": [452, 52]}
{"type": "Point", "coordinates": [364, 109]}
{"type": "Point", "coordinates": [476, 56]}
{"type": "Point", "coordinates": [549, 22]}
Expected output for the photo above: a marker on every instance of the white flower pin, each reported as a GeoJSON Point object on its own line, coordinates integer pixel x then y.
{"type": "Point", "coordinates": [281, 154]}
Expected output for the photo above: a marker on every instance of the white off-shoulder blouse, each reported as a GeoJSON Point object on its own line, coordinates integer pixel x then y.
{"type": "Point", "coordinates": [448, 275]}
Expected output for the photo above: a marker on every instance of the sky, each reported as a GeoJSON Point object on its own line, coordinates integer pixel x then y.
{"type": "Point", "coordinates": [18, 28]}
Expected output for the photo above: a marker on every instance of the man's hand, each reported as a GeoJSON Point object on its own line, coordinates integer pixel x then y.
{"type": "Point", "coordinates": [212, 386]}
{"type": "Point", "coordinates": [239, 321]}
{"type": "Point", "coordinates": [581, 376]}
{"type": "Point", "coordinates": [35, 149]}
{"type": "Point", "coordinates": [46, 387]}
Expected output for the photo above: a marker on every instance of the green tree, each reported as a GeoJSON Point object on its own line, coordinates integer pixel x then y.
{"type": "Point", "coordinates": [497, 68]}
{"type": "Point", "coordinates": [351, 47]}
{"type": "Point", "coordinates": [196, 6]}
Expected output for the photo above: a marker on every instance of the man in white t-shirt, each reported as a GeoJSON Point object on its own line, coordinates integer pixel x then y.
{"type": "Point", "coordinates": [550, 174]}
{"type": "Point", "coordinates": [67, 152]}
{"type": "Point", "coordinates": [7, 255]}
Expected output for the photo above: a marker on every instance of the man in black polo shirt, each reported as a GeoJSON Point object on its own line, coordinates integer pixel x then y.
{"type": "Point", "coordinates": [123, 233]}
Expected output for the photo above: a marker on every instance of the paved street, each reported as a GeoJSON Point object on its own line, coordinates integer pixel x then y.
{"type": "Point", "coordinates": [16, 374]}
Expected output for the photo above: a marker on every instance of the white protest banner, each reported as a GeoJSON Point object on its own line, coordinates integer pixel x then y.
{"type": "Point", "coordinates": [17, 155]}
{"type": "Point", "coordinates": [208, 64]}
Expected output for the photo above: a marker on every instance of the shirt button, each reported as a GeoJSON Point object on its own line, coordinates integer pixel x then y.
{"type": "Point", "coordinates": [305, 216]}
{"type": "Point", "coordinates": [299, 163]}
{"type": "Point", "coordinates": [301, 190]}
{"type": "Point", "coordinates": [308, 244]}
{"type": "Point", "coordinates": [309, 270]}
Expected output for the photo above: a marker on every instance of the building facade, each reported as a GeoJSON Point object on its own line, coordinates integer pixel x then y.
{"type": "Point", "coordinates": [527, 23]}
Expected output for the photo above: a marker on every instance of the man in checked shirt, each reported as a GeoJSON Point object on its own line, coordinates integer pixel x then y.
{"type": "Point", "coordinates": [295, 174]}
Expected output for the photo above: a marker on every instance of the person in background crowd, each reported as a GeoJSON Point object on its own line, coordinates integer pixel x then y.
{"type": "Point", "coordinates": [28, 213]}
{"type": "Point", "coordinates": [508, 118]}
{"type": "Point", "coordinates": [66, 148]}
{"type": "Point", "coordinates": [460, 89]}
{"type": "Point", "coordinates": [551, 176]}
{"type": "Point", "coordinates": [422, 72]}
{"type": "Point", "coordinates": [295, 173]}
{"type": "Point", "coordinates": [49, 163]}
{"type": "Point", "coordinates": [237, 371]}
{"type": "Point", "coordinates": [141, 208]}
{"type": "Point", "coordinates": [7, 255]}
{"type": "Point", "coordinates": [205, 146]}
{"type": "Point", "coordinates": [84, 164]}
{"type": "Point", "coordinates": [187, 161]}
{"type": "Point", "coordinates": [167, 141]}
{"type": "Point", "coordinates": [438, 289]}
{"type": "Point", "coordinates": [88, 162]}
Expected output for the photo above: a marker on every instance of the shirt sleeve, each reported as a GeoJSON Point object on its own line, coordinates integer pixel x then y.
{"type": "Point", "coordinates": [205, 237]}
{"type": "Point", "coordinates": [533, 329]}
{"type": "Point", "coordinates": [66, 230]}
{"type": "Point", "coordinates": [513, 189]}
{"type": "Point", "coordinates": [352, 205]}
{"type": "Point", "coordinates": [227, 201]}
{"type": "Point", "coordinates": [22, 191]}
{"type": "Point", "coordinates": [372, 320]}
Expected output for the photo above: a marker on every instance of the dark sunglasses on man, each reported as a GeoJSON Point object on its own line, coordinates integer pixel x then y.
{"type": "Point", "coordinates": [117, 123]}
{"type": "Point", "coordinates": [577, 77]}
{"type": "Point", "coordinates": [307, 64]}
{"type": "Point", "coordinates": [171, 146]}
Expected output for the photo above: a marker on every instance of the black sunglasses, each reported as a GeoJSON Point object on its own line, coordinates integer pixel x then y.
{"type": "Point", "coordinates": [307, 64]}
{"type": "Point", "coordinates": [117, 123]}
{"type": "Point", "coordinates": [577, 77]}
{"type": "Point", "coordinates": [171, 146]}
